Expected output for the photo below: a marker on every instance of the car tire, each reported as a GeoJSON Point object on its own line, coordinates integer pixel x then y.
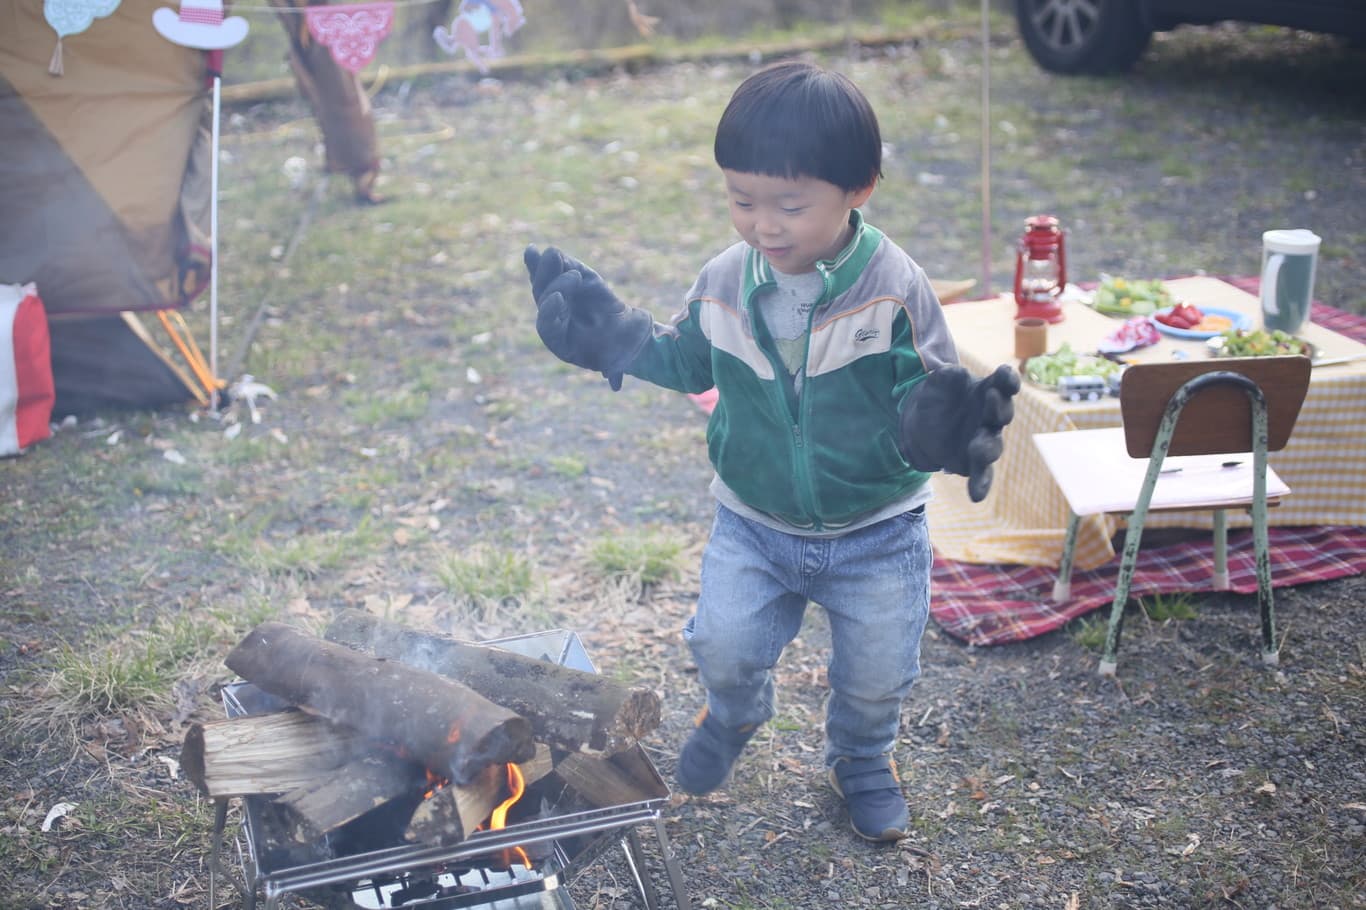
{"type": "Point", "coordinates": [1083, 37]}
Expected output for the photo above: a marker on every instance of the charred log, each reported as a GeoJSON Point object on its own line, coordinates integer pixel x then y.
{"type": "Point", "coordinates": [451, 814]}
{"type": "Point", "coordinates": [447, 726]}
{"type": "Point", "coordinates": [568, 709]}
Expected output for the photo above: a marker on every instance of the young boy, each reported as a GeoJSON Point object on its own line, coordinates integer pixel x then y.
{"type": "Point", "coordinates": [838, 389]}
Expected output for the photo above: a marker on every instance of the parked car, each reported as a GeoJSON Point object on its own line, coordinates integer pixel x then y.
{"type": "Point", "coordinates": [1108, 36]}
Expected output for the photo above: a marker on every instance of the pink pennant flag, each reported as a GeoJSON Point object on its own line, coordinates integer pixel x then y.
{"type": "Point", "coordinates": [352, 31]}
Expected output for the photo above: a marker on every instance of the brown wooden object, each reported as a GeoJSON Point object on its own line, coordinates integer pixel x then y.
{"type": "Point", "coordinates": [568, 709]}
{"type": "Point", "coordinates": [349, 792]}
{"type": "Point", "coordinates": [451, 814]}
{"type": "Point", "coordinates": [265, 753]}
{"type": "Point", "coordinates": [1216, 415]}
{"type": "Point", "coordinates": [605, 782]}
{"type": "Point", "coordinates": [448, 727]}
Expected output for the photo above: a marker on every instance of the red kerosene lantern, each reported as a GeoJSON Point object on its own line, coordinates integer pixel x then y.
{"type": "Point", "coordinates": [1040, 269]}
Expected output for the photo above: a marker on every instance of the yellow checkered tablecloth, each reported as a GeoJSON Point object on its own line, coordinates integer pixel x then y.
{"type": "Point", "coordinates": [1024, 518]}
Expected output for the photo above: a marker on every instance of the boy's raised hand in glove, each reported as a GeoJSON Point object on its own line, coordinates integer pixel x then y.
{"type": "Point", "coordinates": [953, 422]}
{"type": "Point", "coordinates": [579, 319]}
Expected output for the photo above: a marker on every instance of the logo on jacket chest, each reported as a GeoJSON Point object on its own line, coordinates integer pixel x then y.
{"type": "Point", "coordinates": [863, 335]}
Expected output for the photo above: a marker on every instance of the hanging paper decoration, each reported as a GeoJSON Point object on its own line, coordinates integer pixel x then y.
{"type": "Point", "coordinates": [200, 24]}
{"type": "Point", "coordinates": [352, 32]}
{"type": "Point", "coordinates": [497, 18]}
{"type": "Point", "coordinates": [71, 17]}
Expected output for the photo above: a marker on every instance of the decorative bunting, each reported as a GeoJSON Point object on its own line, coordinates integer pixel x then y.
{"type": "Point", "coordinates": [200, 24]}
{"type": "Point", "coordinates": [496, 18]}
{"type": "Point", "coordinates": [352, 32]}
{"type": "Point", "coordinates": [71, 17]}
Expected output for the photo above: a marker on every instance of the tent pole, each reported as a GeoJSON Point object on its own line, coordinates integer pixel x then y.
{"type": "Point", "coordinates": [213, 244]}
{"type": "Point", "coordinates": [986, 151]}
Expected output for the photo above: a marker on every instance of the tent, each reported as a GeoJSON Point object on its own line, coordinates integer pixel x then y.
{"type": "Point", "coordinates": [105, 195]}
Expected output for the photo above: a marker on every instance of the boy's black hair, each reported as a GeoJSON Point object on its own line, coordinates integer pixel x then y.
{"type": "Point", "coordinates": [795, 119]}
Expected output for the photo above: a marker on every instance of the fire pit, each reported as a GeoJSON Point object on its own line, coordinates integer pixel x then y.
{"type": "Point", "coordinates": [550, 836]}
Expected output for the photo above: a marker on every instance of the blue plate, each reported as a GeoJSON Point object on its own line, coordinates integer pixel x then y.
{"type": "Point", "coordinates": [1239, 320]}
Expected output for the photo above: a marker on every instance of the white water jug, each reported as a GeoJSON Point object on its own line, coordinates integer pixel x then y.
{"type": "Point", "coordinates": [1289, 260]}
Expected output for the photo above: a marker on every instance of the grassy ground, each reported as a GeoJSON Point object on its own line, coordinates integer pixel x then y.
{"type": "Point", "coordinates": [425, 459]}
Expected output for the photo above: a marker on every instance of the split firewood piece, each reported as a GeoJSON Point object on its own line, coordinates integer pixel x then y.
{"type": "Point", "coordinates": [265, 753]}
{"type": "Point", "coordinates": [602, 782]}
{"type": "Point", "coordinates": [568, 709]}
{"type": "Point", "coordinates": [349, 792]}
{"type": "Point", "coordinates": [447, 726]}
{"type": "Point", "coordinates": [451, 814]}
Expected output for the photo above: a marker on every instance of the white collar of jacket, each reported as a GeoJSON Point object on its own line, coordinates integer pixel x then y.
{"type": "Point", "coordinates": [839, 272]}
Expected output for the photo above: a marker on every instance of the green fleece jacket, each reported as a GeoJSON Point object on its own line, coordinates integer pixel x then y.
{"type": "Point", "coordinates": [829, 455]}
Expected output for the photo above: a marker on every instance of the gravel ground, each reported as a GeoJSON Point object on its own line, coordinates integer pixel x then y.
{"type": "Point", "coordinates": [1198, 779]}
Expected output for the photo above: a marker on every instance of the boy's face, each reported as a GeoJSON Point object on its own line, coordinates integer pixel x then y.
{"type": "Point", "coordinates": [792, 222]}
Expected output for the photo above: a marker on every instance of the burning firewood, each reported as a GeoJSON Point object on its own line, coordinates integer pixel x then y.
{"type": "Point", "coordinates": [447, 726]}
{"type": "Point", "coordinates": [349, 792]}
{"type": "Point", "coordinates": [451, 814]}
{"type": "Point", "coordinates": [568, 709]}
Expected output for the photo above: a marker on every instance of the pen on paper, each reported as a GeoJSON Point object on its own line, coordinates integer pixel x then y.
{"type": "Point", "coordinates": [1227, 464]}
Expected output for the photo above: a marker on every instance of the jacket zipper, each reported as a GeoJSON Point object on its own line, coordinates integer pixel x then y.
{"type": "Point", "coordinates": [804, 485]}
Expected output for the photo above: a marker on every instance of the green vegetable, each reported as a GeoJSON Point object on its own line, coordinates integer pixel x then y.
{"type": "Point", "coordinates": [1260, 343]}
{"type": "Point", "coordinates": [1131, 296]}
{"type": "Point", "coordinates": [1047, 369]}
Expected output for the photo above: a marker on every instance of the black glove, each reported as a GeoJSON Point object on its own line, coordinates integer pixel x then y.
{"type": "Point", "coordinates": [952, 422]}
{"type": "Point", "coordinates": [580, 320]}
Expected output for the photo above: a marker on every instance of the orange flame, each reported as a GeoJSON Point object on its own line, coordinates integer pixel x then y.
{"type": "Point", "coordinates": [499, 817]}
{"type": "Point", "coordinates": [434, 783]}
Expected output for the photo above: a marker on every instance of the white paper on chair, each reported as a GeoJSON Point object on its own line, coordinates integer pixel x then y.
{"type": "Point", "coordinates": [1074, 458]}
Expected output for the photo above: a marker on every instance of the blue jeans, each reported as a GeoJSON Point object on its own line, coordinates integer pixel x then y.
{"type": "Point", "coordinates": [874, 584]}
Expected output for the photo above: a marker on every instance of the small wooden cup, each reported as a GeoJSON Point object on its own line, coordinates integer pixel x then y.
{"type": "Point", "coordinates": [1031, 337]}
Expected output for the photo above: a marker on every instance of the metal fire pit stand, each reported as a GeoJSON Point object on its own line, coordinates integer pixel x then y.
{"type": "Point", "coordinates": [335, 882]}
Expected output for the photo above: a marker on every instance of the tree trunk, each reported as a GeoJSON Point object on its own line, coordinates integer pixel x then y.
{"type": "Point", "coordinates": [568, 709]}
{"type": "Point", "coordinates": [448, 727]}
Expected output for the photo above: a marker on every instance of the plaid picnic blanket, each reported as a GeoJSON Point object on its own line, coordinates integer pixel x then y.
{"type": "Point", "coordinates": [995, 604]}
